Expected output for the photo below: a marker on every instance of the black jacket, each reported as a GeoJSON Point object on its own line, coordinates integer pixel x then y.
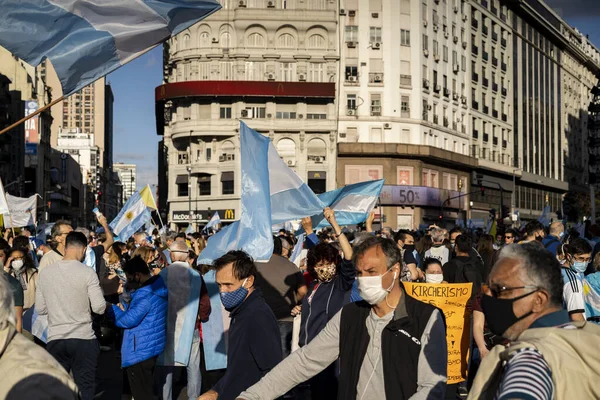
{"type": "Point", "coordinates": [463, 269]}
{"type": "Point", "coordinates": [254, 346]}
{"type": "Point", "coordinates": [400, 349]}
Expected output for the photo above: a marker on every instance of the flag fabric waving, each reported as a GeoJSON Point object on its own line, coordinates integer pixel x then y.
{"type": "Point", "coordinates": [252, 233]}
{"type": "Point", "coordinates": [544, 219]}
{"type": "Point", "coordinates": [214, 221]}
{"type": "Point", "coordinates": [21, 211]}
{"type": "Point", "coordinates": [131, 218]}
{"type": "Point", "coordinates": [86, 40]}
{"type": "Point", "coordinates": [3, 203]}
{"type": "Point", "coordinates": [351, 203]}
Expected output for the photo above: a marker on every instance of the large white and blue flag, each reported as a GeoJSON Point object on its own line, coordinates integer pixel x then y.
{"type": "Point", "coordinates": [544, 219]}
{"type": "Point", "coordinates": [214, 221]}
{"type": "Point", "coordinates": [351, 203]}
{"type": "Point", "coordinates": [85, 39]}
{"type": "Point", "coordinates": [133, 216]}
{"type": "Point", "coordinates": [252, 233]}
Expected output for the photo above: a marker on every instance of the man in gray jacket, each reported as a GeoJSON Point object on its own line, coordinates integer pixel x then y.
{"type": "Point", "coordinates": [390, 346]}
{"type": "Point", "coordinates": [68, 292]}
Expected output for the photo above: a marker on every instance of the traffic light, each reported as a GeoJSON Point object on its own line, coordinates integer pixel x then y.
{"type": "Point", "coordinates": [482, 191]}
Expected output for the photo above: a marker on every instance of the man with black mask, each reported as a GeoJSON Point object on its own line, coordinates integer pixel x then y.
{"type": "Point", "coordinates": [552, 355]}
{"type": "Point", "coordinates": [534, 232]}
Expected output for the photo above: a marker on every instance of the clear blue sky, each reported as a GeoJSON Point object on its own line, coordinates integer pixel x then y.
{"type": "Point", "coordinates": [136, 140]}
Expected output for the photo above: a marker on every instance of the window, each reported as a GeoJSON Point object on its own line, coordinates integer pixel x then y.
{"type": "Point", "coordinates": [376, 104]}
{"type": "Point", "coordinates": [225, 113]}
{"type": "Point", "coordinates": [316, 72]}
{"type": "Point", "coordinates": [185, 43]}
{"type": "Point", "coordinates": [204, 185]}
{"type": "Point", "coordinates": [182, 185]}
{"type": "Point", "coordinates": [376, 136]}
{"type": "Point", "coordinates": [225, 40]}
{"type": "Point", "coordinates": [435, 78]}
{"type": "Point", "coordinates": [351, 33]}
{"type": "Point", "coordinates": [375, 36]}
{"type": "Point", "coordinates": [208, 154]}
{"type": "Point", "coordinates": [287, 71]}
{"type": "Point", "coordinates": [256, 112]}
{"type": "Point", "coordinates": [317, 42]}
{"type": "Point", "coordinates": [405, 106]}
{"type": "Point", "coordinates": [425, 42]}
{"type": "Point", "coordinates": [227, 183]}
{"type": "Point", "coordinates": [316, 116]}
{"type": "Point", "coordinates": [424, 11]}
{"type": "Point", "coordinates": [351, 72]}
{"type": "Point", "coordinates": [256, 40]}
{"type": "Point", "coordinates": [404, 37]}
{"type": "Point", "coordinates": [445, 81]}
{"type": "Point", "coordinates": [445, 48]}
{"type": "Point", "coordinates": [317, 151]}
{"type": "Point", "coordinates": [204, 71]}
{"type": "Point", "coordinates": [204, 39]}
{"type": "Point", "coordinates": [285, 115]}
{"type": "Point", "coordinates": [436, 49]}
{"type": "Point", "coordinates": [454, 86]}
{"type": "Point", "coordinates": [351, 101]}
{"type": "Point", "coordinates": [226, 70]}
{"type": "Point", "coordinates": [463, 62]}
{"type": "Point", "coordinates": [254, 70]}
{"type": "Point", "coordinates": [187, 112]}
{"type": "Point", "coordinates": [286, 41]}
{"type": "Point", "coordinates": [317, 181]}
{"type": "Point", "coordinates": [454, 57]}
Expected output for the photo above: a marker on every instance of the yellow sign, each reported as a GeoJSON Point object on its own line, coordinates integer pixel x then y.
{"type": "Point", "coordinates": [229, 214]}
{"type": "Point", "coordinates": [452, 299]}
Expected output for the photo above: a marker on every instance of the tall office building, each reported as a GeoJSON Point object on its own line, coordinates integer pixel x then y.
{"type": "Point", "coordinates": [127, 176]}
{"type": "Point", "coordinates": [272, 64]}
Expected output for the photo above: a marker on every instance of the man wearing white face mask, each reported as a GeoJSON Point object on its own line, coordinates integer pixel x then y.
{"type": "Point", "coordinates": [433, 271]}
{"type": "Point", "coordinates": [390, 346]}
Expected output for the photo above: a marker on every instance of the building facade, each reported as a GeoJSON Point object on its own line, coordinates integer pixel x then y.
{"type": "Point", "coordinates": [127, 177]}
{"type": "Point", "coordinates": [67, 199]}
{"type": "Point", "coordinates": [272, 64]}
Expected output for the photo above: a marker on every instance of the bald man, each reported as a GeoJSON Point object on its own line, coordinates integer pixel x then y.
{"type": "Point", "coordinates": [185, 287]}
{"type": "Point", "coordinates": [554, 239]}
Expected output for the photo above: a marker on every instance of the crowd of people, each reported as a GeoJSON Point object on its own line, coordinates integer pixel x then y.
{"type": "Point", "coordinates": [325, 318]}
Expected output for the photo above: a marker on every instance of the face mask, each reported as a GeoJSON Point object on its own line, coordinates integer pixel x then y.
{"type": "Point", "coordinates": [579, 266]}
{"type": "Point", "coordinates": [562, 262]}
{"type": "Point", "coordinates": [499, 313]}
{"type": "Point", "coordinates": [17, 265]}
{"type": "Point", "coordinates": [325, 274]}
{"type": "Point", "coordinates": [560, 235]}
{"type": "Point", "coordinates": [233, 299]}
{"type": "Point", "coordinates": [434, 278]}
{"type": "Point", "coordinates": [452, 245]}
{"type": "Point", "coordinates": [370, 288]}
{"type": "Point", "coordinates": [539, 238]}
{"type": "Point", "coordinates": [40, 253]}
{"type": "Point", "coordinates": [409, 247]}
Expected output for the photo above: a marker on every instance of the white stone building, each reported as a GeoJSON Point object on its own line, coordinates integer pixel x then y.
{"type": "Point", "coordinates": [84, 151]}
{"type": "Point", "coordinates": [127, 176]}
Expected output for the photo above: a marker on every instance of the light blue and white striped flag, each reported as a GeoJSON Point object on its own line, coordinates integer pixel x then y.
{"type": "Point", "coordinates": [86, 40]}
{"type": "Point", "coordinates": [351, 203]}
{"type": "Point", "coordinates": [189, 230]}
{"type": "Point", "coordinates": [214, 221]}
{"type": "Point", "coordinates": [252, 233]}
{"type": "Point", "coordinates": [544, 219]}
{"type": "Point", "coordinates": [133, 216]}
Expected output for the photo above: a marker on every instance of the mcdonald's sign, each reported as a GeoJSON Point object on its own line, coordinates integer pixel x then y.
{"type": "Point", "coordinates": [202, 215]}
{"type": "Point", "coordinates": [229, 214]}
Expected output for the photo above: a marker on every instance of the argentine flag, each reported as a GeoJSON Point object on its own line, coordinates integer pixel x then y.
{"type": "Point", "coordinates": [544, 219]}
{"type": "Point", "coordinates": [86, 39]}
{"type": "Point", "coordinates": [214, 221]}
{"type": "Point", "coordinates": [134, 215]}
{"type": "Point", "coordinates": [351, 203]}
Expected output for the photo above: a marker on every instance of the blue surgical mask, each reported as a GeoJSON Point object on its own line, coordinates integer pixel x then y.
{"type": "Point", "coordinates": [560, 235]}
{"type": "Point", "coordinates": [233, 299]}
{"type": "Point", "coordinates": [579, 266]}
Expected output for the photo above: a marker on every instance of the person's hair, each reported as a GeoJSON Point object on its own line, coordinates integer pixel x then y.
{"type": "Point", "coordinates": [426, 243]}
{"type": "Point", "coordinates": [7, 302]}
{"type": "Point", "coordinates": [437, 235]}
{"type": "Point", "coordinates": [143, 252]}
{"type": "Point", "coordinates": [242, 264]}
{"type": "Point", "coordinates": [538, 267]}
{"type": "Point", "coordinates": [168, 236]}
{"type": "Point", "coordinates": [323, 252]}
{"type": "Point", "coordinates": [27, 260]}
{"type": "Point", "coordinates": [556, 228]}
{"type": "Point", "coordinates": [387, 246]}
{"type": "Point", "coordinates": [57, 227]}
{"type": "Point", "coordinates": [85, 231]}
{"type": "Point", "coordinates": [21, 242]}
{"type": "Point", "coordinates": [532, 227]}
{"type": "Point", "coordinates": [430, 261]}
{"type": "Point", "coordinates": [463, 243]}
{"type": "Point", "coordinates": [402, 234]}
{"type": "Point", "coordinates": [140, 235]}
{"type": "Point", "coordinates": [117, 249]}
{"type": "Point", "coordinates": [193, 256]}
{"type": "Point", "coordinates": [76, 239]}
{"type": "Point", "coordinates": [4, 246]}
{"type": "Point", "coordinates": [277, 246]}
{"type": "Point", "coordinates": [456, 229]}
{"type": "Point", "coordinates": [136, 265]}
{"type": "Point", "coordinates": [486, 244]}
{"type": "Point", "coordinates": [360, 237]}
{"type": "Point", "coordinates": [578, 246]}
{"type": "Point", "coordinates": [181, 235]}
{"type": "Point", "coordinates": [513, 232]}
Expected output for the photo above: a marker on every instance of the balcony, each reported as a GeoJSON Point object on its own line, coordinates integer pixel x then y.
{"type": "Point", "coordinates": [504, 117]}
{"type": "Point", "coordinates": [375, 111]}
{"type": "Point", "coordinates": [437, 88]}
{"type": "Point", "coordinates": [503, 42]}
{"type": "Point", "coordinates": [475, 77]}
{"type": "Point", "coordinates": [485, 55]}
{"type": "Point", "coordinates": [504, 144]}
{"type": "Point", "coordinates": [375, 77]}
{"type": "Point", "coordinates": [435, 119]}
{"type": "Point", "coordinates": [446, 92]}
{"type": "Point", "coordinates": [484, 30]}
{"type": "Point", "coordinates": [474, 50]}
{"type": "Point", "coordinates": [486, 137]}
{"type": "Point", "coordinates": [486, 82]}
{"type": "Point", "coordinates": [495, 141]}
{"type": "Point", "coordinates": [425, 83]}
{"type": "Point", "coordinates": [503, 66]}
{"type": "Point", "coordinates": [486, 109]}
{"type": "Point", "coordinates": [475, 134]}
{"type": "Point", "coordinates": [494, 61]}
{"type": "Point", "coordinates": [495, 113]}
{"type": "Point", "coordinates": [406, 80]}
{"type": "Point", "coordinates": [475, 105]}
{"type": "Point", "coordinates": [474, 23]}
{"type": "Point", "coordinates": [495, 36]}
{"type": "Point", "coordinates": [405, 113]}
{"type": "Point", "coordinates": [494, 86]}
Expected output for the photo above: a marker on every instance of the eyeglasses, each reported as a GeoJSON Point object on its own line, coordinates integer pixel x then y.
{"type": "Point", "coordinates": [508, 237]}
{"type": "Point", "coordinates": [497, 290]}
{"type": "Point", "coordinates": [583, 259]}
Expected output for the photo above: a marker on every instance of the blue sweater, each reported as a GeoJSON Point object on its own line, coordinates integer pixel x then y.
{"type": "Point", "coordinates": [144, 321]}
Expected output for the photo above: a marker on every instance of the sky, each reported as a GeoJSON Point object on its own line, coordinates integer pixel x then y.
{"type": "Point", "coordinates": [135, 138]}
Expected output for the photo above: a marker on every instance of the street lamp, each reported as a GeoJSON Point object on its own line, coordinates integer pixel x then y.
{"type": "Point", "coordinates": [189, 170]}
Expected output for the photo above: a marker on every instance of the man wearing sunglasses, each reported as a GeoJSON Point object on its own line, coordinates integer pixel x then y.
{"type": "Point", "coordinates": [510, 236]}
{"type": "Point", "coordinates": [524, 304]}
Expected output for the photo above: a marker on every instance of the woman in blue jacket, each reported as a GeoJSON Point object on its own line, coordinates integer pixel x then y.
{"type": "Point", "coordinates": [145, 323]}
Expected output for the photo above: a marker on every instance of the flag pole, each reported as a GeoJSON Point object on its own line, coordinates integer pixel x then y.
{"type": "Point", "coordinates": [33, 114]}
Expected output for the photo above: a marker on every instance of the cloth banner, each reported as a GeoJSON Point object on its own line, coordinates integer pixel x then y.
{"type": "Point", "coordinates": [22, 211]}
{"type": "Point", "coordinates": [214, 332]}
{"type": "Point", "coordinates": [452, 299]}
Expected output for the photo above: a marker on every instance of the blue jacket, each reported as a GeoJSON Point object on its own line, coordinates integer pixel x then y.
{"type": "Point", "coordinates": [144, 321]}
{"type": "Point", "coordinates": [551, 243]}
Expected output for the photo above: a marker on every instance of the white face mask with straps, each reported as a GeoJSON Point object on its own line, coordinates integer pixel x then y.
{"type": "Point", "coordinates": [370, 288]}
